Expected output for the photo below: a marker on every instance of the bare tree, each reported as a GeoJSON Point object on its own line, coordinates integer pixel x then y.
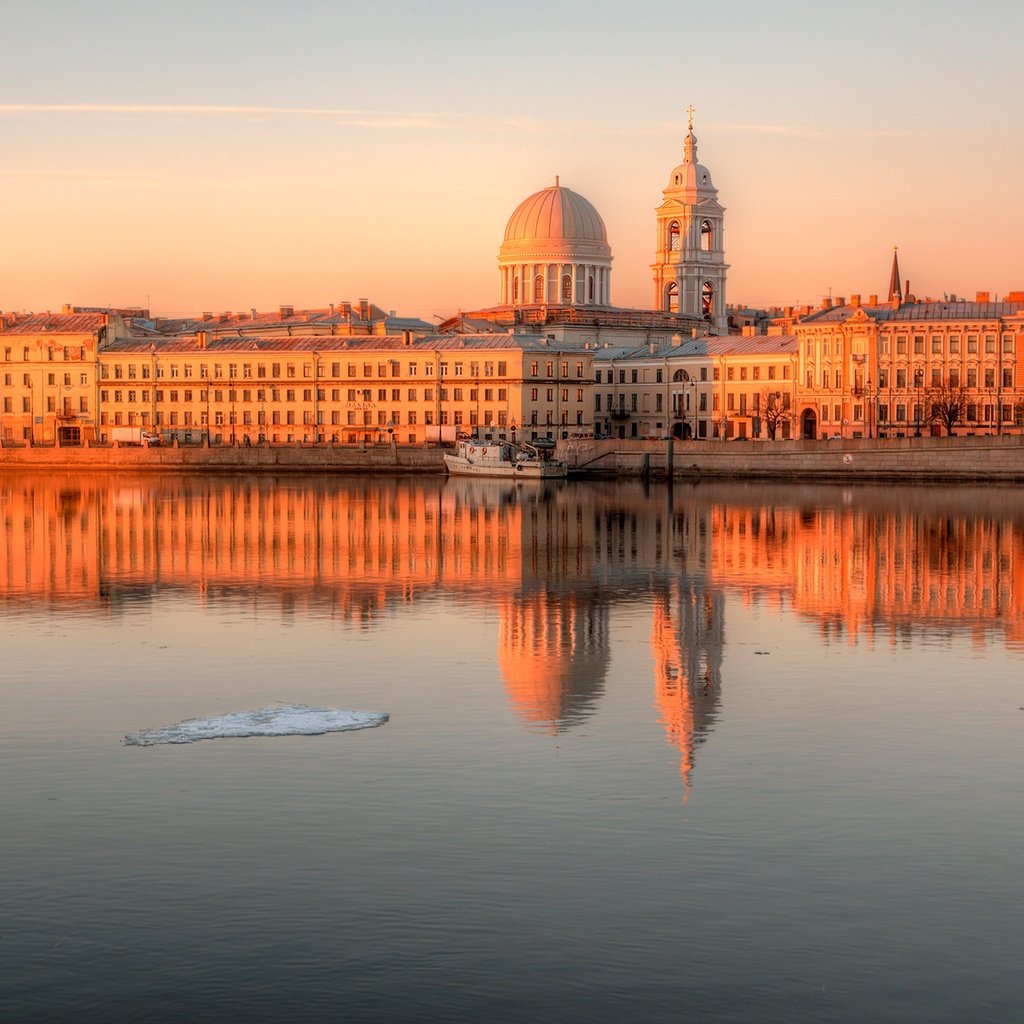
{"type": "Point", "coordinates": [945, 404]}
{"type": "Point", "coordinates": [774, 410]}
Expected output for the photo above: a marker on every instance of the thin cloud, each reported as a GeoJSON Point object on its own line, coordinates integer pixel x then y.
{"type": "Point", "coordinates": [61, 174]}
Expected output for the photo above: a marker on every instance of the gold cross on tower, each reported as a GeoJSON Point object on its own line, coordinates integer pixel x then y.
{"type": "Point", "coordinates": [689, 110]}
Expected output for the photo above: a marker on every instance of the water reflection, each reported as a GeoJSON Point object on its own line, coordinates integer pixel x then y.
{"type": "Point", "coordinates": [551, 561]}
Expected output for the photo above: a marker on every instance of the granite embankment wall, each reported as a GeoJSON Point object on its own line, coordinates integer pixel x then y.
{"type": "Point", "coordinates": [228, 459]}
{"type": "Point", "coordinates": [901, 460]}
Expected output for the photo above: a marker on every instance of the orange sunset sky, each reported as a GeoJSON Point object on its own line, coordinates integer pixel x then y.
{"type": "Point", "coordinates": [223, 155]}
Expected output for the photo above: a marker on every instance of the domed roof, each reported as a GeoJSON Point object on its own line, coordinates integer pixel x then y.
{"type": "Point", "coordinates": [556, 214]}
{"type": "Point", "coordinates": [691, 175]}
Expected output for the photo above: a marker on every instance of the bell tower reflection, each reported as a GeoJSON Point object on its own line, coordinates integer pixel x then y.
{"type": "Point", "coordinates": [687, 640]}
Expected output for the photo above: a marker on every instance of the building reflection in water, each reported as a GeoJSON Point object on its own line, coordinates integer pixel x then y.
{"type": "Point", "coordinates": [688, 640]}
{"type": "Point", "coordinates": [553, 561]}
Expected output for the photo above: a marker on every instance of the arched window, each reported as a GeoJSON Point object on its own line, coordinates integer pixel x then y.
{"type": "Point", "coordinates": [567, 288]}
{"type": "Point", "coordinates": [538, 288]}
{"type": "Point", "coordinates": [707, 300]}
{"type": "Point", "coordinates": [673, 235]}
{"type": "Point", "coordinates": [680, 375]}
{"type": "Point", "coordinates": [672, 298]}
{"type": "Point", "coordinates": [706, 235]}
{"type": "Point", "coordinates": [590, 288]}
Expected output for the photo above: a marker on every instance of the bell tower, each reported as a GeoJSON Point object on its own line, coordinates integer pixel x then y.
{"type": "Point", "coordinates": [690, 268]}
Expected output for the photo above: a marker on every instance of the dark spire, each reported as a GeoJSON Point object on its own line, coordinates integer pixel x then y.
{"type": "Point", "coordinates": [895, 291]}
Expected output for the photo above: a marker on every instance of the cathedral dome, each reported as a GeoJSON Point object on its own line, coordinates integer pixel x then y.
{"type": "Point", "coordinates": [555, 251]}
{"type": "Point", "coordinates": [555, 214]}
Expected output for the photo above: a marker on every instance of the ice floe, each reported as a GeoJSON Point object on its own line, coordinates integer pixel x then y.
{"type": "Point", "coordinates": [293, 720]}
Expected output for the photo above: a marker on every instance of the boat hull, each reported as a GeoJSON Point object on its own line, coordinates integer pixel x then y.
{"type": "Point", "coordinates": [459, 466]}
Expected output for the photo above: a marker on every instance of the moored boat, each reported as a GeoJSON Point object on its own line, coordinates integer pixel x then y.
{"type": "Point", "coordinates": [523, 461]}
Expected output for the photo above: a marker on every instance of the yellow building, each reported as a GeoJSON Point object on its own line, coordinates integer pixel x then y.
{"type": "Point", "coordinates": [344, 389]}
{"type": "Point", "coordinates": [48, 365]}
{"type": "Point", "coordinates": [706, 388]}
{"type": "Point", "coordinates": [892, 368]}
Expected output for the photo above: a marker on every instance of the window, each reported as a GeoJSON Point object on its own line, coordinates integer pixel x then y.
{"type": "Point", "coordinates": [936, 345]}
{"type": "Point", "coordinates": [918, 351]}
{"type": "Point", "coordinates": [707, 298]}
{"type": "Point", "coordinates": [706, 236]}
{"type": "Point", "coordinates": [672, 239]}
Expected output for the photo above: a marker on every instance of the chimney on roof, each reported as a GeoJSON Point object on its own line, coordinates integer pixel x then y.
{"type": "Point", "coordinates": [207, 317]}
{"type": "Point", "coordinates": [224, 317]}
{"type": "Point", "coordinates": [364, 309]}
{"type": "Point", "coordinates": [201, 338]}
{"type": "Point", "coordinates": [982, 297]}
{"type": "Point", "coordinates": [826, 303]}
{"type": "Point", "coordinates": [252, 312]}
{"type": "Point", "coordinates": [749, 331]}
{"type": "Point", "coordinates": [346, 309]}
{"type": "Point", "coordinates": [406, 337]}
{"type": "Point", "coordinates": [286, 311]}
{"type": "Point", "coordinates": [872, 300]}
{"type": "Point", "coordinates": [855, 301]}
{"type": "Point", "coordinates": [332, 309]}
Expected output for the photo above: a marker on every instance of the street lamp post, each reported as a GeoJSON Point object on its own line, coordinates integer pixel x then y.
{"type": "Point", "coordinates": [918, 378]}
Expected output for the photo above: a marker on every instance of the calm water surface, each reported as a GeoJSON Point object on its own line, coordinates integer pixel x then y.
{"type": "Point", "coordinates": [718, 753]}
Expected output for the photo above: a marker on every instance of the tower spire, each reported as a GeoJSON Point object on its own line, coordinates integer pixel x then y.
{"type": "Point", "coordinates": [895, 289]}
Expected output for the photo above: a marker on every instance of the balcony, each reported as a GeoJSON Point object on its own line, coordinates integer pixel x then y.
{"type": "Point", "coordinates": [619, 414]}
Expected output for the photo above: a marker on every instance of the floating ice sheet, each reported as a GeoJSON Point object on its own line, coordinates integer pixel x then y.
{"type": "Point", "coordinates": [294, 720]}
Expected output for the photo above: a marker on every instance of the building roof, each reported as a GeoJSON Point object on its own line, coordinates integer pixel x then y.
{"type": "Point", "coordinates": [918, 312]}
{"type": "Point", "coordinates": [555, 213]}
{"type": "Point", "coordinates": [767, 345]}
{"type": "Point", "coordinates": [52, 323]}
{"type": "Point", "coordinates": [313, 343]}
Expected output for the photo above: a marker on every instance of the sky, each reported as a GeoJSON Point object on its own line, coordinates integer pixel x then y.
{"type": "Point", "coordinates": [230, 154]}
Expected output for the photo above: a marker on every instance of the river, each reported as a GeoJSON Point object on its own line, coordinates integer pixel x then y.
{"type": "Point", "coordinates": [721, 752]}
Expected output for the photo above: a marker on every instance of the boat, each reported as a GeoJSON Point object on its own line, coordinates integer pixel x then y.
{"type": "Point", "coordinates": [530, 460]}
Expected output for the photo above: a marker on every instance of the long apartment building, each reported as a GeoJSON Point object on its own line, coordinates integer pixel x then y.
{"type": "Point", "coordinates": [343, 389]}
